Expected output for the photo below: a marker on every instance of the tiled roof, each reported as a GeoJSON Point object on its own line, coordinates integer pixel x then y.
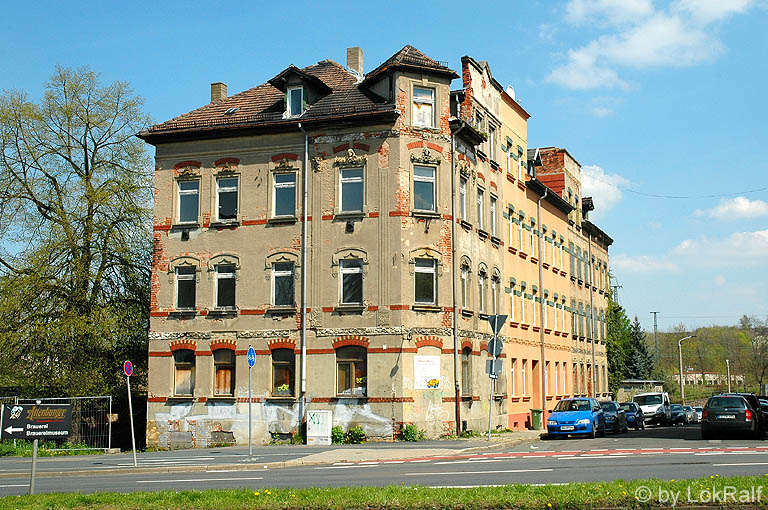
{"type": "Point", "coordinates": [411, 57]}
{"type": "Point", "coordinates": [264, 104]}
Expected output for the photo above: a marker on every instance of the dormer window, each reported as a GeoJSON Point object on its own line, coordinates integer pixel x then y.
{"type": "Point", "coordinates": [295, 101]}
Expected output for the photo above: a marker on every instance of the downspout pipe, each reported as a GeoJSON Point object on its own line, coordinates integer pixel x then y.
{"type": "Point", "coordinates": [454, 282]}
{"type": "Point", "coordinates": [541, 316]}
{"type": "Point", "coordinates": [591, 314]}
{"type": "Point", "coordinates": [304, 271]}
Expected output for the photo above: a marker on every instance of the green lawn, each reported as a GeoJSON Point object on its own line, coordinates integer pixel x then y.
{"type": "Point", "coordinates": [617, 494]}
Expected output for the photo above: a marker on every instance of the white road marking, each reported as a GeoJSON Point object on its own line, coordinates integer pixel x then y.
{"type": "Point", "coordinates": [480, 472]}
{"type": "Point", "coordinates": [346, 466]}
{"type": "Point", "coordinates": [743, 464]}
{"type": "Point", "coordinates": [198, 480]}
{"type": "Point", "coordinates": [15, 485]}
{"type": "Point", "coordinates": [394, 461]}
{"type": "Point", "coordinates": [368, 463]}
{"type": "Point", "coordinates": [468, 461]}
{"type": "Point", "coordinates": [419, 461]}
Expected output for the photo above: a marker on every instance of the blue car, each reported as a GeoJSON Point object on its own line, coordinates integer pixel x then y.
{"type": "Point", "coordinates": [576, 416]}
{"type": "Point", "coordinates": [635, 417]}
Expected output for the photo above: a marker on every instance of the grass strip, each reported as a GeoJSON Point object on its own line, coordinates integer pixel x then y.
{"type": "Point", "coordinates": [711, 491]}
{"type": "Point", "coordinates": [23, 448]}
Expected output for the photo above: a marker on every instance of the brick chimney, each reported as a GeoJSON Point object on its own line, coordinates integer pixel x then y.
{"type": "Point", "coordinates": [218, 91]}
{"type": "Point", "coordinates": [355, 59]}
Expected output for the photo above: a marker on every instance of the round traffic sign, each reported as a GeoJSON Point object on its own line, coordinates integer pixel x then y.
{"type": "Point", "coordinates": [128, 368]}
{"type": "Point", "coordinates": [495, 347]}
{"type": "Point", "coordinates": [251, 356]}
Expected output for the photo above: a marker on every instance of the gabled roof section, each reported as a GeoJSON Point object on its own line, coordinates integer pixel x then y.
{"type": "Point", "coordinates": [411, 58]}
{"type": "Point", "coordinates": [280, 81]}
{"type": "Point", "coordinates": [263, 106]}
{"type": "Point", "coordinates": [534, 156]}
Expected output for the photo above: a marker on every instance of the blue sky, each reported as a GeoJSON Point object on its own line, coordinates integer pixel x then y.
{"type": "Point", "coordinates": [652, 97]}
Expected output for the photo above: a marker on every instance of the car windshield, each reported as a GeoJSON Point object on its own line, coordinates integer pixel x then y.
{"type": "Point", "coordinates": [646, 400]}
{"type": "Point", "coordinates": [698, 409]}
{"type": "Point", "coordinates": [676, 407]}
{"type": "Point", "coordinates": [608, 406]}
{"type": "Point", "coordinates": [725, 402]}
{"type": "Point", "coordinates": [572, 405]}
{"type": "Point", "coordinates": [688, 408]}
{"type": "Point", "coordinates": [628, 406]}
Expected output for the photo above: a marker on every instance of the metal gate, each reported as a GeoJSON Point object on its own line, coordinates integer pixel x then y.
{"type": "Point", "coordinates": [91, 420]}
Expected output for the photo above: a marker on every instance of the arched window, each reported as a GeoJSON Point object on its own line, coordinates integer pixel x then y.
{"type": "Point", "coordinates": [283, 372]}
{"type": "Point", "coordinates": [351, 371]}
{"type": "Point", "coordinates": [224, 372]}
{"type": "Point", "coordinates": [184, 367]}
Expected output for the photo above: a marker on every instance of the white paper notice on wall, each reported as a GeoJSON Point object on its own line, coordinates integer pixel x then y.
{"type": "Point", "coordinates": [426, 372]}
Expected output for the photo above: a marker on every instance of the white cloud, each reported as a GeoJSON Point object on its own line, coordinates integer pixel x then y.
{"type": "Point", "coordinates": [602, 111]}
{"type": "Point", "coordinates": [740, 249]}
{"type": "Point", "coordinates": [642, 264]}
{"type": "Point", "coordinates": [719, 280]}
{"type": "Point", "coordinates": [641, 36]}
{"type": "Point", "coordinates": [735, 208]}
{"type": "Point", "coordinates": [604, 188]}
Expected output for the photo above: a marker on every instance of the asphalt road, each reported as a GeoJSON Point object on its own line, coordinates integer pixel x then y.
{"type": "Point", "coordinates": [667, 453]}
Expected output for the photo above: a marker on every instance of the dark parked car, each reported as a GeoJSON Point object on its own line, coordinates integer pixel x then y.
{"type": "Point", "coordinates": [635, 416]}
{"type": "Point", "coordinates": [615, 417]}
{"type": "Point", "coordinates": [678, 415]}
{"type": "Point", "coordinates": [754, 403]}
{"type": "Point", "coordinates": [728, 414]}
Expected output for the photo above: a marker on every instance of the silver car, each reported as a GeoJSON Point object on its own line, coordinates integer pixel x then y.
{"type": "Point", "coordinates": [691, 416]}
{"type": "Point", "coordinates": [698, 410]}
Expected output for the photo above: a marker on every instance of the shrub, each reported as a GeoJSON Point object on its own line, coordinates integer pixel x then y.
{"type": "Point", "coordinates": [412, 433]}
{"type": "Point", "coordinates": [297, 439]}
{"type": "Point", "coordinates": [355, 435]}
{"type": "Point", "coordinates": [338, 436]}
{"type": "Point", "coordinates": [470, 433]}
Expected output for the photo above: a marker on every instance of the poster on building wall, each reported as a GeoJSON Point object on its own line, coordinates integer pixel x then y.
{"type": "Point", "coordinates": [426, 372]}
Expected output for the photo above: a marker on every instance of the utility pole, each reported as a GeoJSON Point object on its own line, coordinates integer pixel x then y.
{"type": "Point", "coordinates": [728, 369]}
{"type": "Point", "coordinates": [655, 336]}
{"type": "Point", "coordinates": [680, 354]}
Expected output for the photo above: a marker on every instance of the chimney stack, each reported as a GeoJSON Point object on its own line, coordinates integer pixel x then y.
{"type": "Point", "coordinates": [355, 59]}
{"type": "Point", "coordinates": [218, 91]}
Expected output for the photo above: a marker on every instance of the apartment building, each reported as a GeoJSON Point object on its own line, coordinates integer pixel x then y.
{"type": "Point", "coordinates": [334, 220]}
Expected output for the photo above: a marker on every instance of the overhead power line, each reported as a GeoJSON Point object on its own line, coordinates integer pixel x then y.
{"type": "Point", "coordinates": [677, 197]}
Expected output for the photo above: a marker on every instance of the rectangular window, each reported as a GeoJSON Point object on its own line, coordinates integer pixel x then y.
{"type": "Point", "coordinates": [424, 188]}
{"type": "Point", "coordinates": [423, 107]}
{"type": "Point", "coordinates": [495, 295]}
{"type": "Point", "coordinates": [224, 369]}
{"type": "Point", "coordinates": [512, 305]}
{"type": "Point", "coordinates": [466, 371]}
{"type": "Point", "coordinates": [565, 377]}
{"type": "Point", "coordinates": [282, 283]}
{"type": "Point", "coordinates": [227, 198]}
{"type": "Point", "coordinates": [533, 307]}
{"type": "Point", "coordinates": [511, 228]}
{"type": "Point", "coordinates": [189, 201]}
{"type": "Point", "coordinates": [572, 254]}
{"type": "Point", "coordinates": [562, 310]}
{"type": "Point", "coordinates": [520, 168]}
{"type": "Point", "coordinates": [295, 105]}
{"type": "Point", "coordinates": [351, 190]}
{"type": "Point", "coordinates": [351, 282]}
{"type": "Point", "coordinates": [464, 282]}
{"type": "Point", "coordinates": [492, 142]}
{"type": "Point", "coordinates": [284, 196]}
{"type": "Point", "coordinates": [522, 305]}
{"type": "Point", "coordinates": [523, 381]}
{"type": "Point", "coordinates": [545, 315]}
{"type": "Point", "coordinates": [481, 293]}
{"type": "Point", "coordinates": [554, 313]}
{"type": "Point", "coordinates": [425, 281]}
{"type": "Point", "coordinates": [351, 371]}
{"type": "Point", "coordinates": [185, 287]}
{"type": "Point", "coordinates": [513, 374]}
{"type": "Point", "coordinates": [520, 233]}
{"type": "Point", "coordinates": [493, 216]}
{"type": "Point", "coordinates": [225, 286]}
{"type": "Point", "coordinates": [463, 198]}
{"type": "Point", "coordinates": [480, 199]}
{"type": "Point", "coordinates": [283, 372]}
{"type": "Point", "coordinates": [184, 368]}
{"type": "Point", "coordinates": [533, 245]}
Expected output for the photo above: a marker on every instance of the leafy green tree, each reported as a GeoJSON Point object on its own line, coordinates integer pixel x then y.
{"type": "Point", "coordinates": [640, 363]}
{"type": "Point", "coordinates": [75, 241]}
{"type": "Point", "coordinates": [617, 344]}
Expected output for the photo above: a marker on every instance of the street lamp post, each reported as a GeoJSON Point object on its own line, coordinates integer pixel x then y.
{"type": "Point", "coordinates": [728, 370]}
{"type": "Point", "coordinates": [680, 356]}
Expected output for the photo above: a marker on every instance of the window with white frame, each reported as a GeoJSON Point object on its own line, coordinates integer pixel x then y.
{"type": "Point", "coordinates": [495, 293]}
{"type": "Point", "coordinates": [533, 306]}
{"type": "Point", "coordinates": [564, 379]}
{"type": "Point", "coordinates": [284, 194]}
{"type": "Point", "coordinates": [351, 281]}
{"type": "Point", "coordinates": [282, 284]}
{"type": "Point", "coordinates": [425, 281]}
{"type": "Point", "coordinates": [562, 313]}
{"type": "Point", "coordinates": [423, 107]}
{"type": "Point", "coordinates": [226, 198]}
{"type": "Point", "coordinates": [554, 250]}
{"type": "Point", "coordinates": [522, 304]}
{"type": "Point", "coordinates": [520, 237]}
{"type": "Point", "coordinates": [513, 375]}
{"type": "Point", "coordinates": [480, 200]}
{"type": "Point", "coordinates": [493, 215]}
{"type": "Point", "coordinates": [295, 100]}
{"type": "Point", "coordinates": [351, 189]}
{"type": "Point", "coordinates": [225, 286]}
{"type": "Point", "coordinates": [556, 374]}
{"type": "Point", "coordinates": [424, 188]}
{"type": "Point", "coordinates": [481, 283]}
{"type": "Point", "coordinates": [510, 224]}
{"type": "Point", "coordinates": [520, 167]}
{"type": "Point", "coordinates": [186, 277]}
{"type": "Point", "coordinates": [523, 378]}
{"type": "Point", "coordinates": [189, 201]}
{"type": "Point", "coordinates": [562, 249]}
{"type": "Point", "coordinates": [464, 285]}
{"type": "Point", "coordinates": [492, 142]}
{"type": "Point", "coordinates": [554, 312]}
{"type": "Point", "coordinates": [545, 313]}
{"type": "Point", "coordinates": [512, 303]}
{"type": "Point", "coordinates": [466, 371]}
{"type": "Point", "coordinates": [463, 198]}
{"type": "Point", "coordinates": [532, 236]}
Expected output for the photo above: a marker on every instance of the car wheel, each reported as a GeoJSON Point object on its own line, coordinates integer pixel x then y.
{"type": "Point", "coordinates": [593, 434]}
{"type": "Point", "coordinates": [601, 431]}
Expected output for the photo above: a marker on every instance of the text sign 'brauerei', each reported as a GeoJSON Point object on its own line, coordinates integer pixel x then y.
{"type": "Point", "coordinates": [36, 421]}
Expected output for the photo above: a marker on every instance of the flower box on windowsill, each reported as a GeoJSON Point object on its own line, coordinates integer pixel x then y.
{"type": "Point", "coordinates": [225, 224]}
{"type": "Point", "coordinates": [514, 324]}
{"type": "Point", "coordinates": [222, 312]}
{"type": "Point", "coordinates": [525, 326]}
{"type": "Point", "coordinates": [534, 260]}
{"type": "Point", "coordinates": [521, 185]}
{"type": "Point", "coordinates": [550, 397]}
{"type": "Point", "coordinates": [499, 396]}
{"type": "Point", "coordinates": [432, 215]}
{"type": "Point", "coordinates": [343, 309]}
{"type": "Point", "coordinates": [279, 220]}
{"type": "Point", "coordinates": [282, 310]}
{"type": "Point", "coordinates": [562, 273]}
{"type": "Point", "coordinates": [182, 314]}
{"type": "Point", "coordinates": [426, 308]}
{"type": "Point", "coordinates": [555, 270]}
{"type": "Point", "coordinates": [279, 396]}
{"type": "Point", "coordinates": [481, 155]}
{"type": "Point", "coordinates": [522, 255]}
{"type": "Point", "coordinates": [547, 330]}
{"type": "Point", "coordinates": [536, 329]}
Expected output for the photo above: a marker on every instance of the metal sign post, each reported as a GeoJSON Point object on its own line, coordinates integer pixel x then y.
{"type": "Point", "coordinates": [251, 362]}
{"type": "Point", "coordinates": [128, 370]}
{"type": "Point", "coordinates": [494, 349]}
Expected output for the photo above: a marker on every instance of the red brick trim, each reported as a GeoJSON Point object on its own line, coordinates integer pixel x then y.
{"type": "Point", "coordinates": [465, 344]}
{"type": "Point", "coordinates": [252, 311]}
{"type": "Point", "coordinates": [429, 341]}
{"type": "Point", "coordinates": [202, 399]}
{"type": "Point", "coordinates": [342, 341]}
{"type": "Point", "coordinates": [160, 354]}
{"type": "Point", "coordinates": [158, 314]}
{"type": "Point", "coordinates": [262, 221]}
{"type": "Point", "coordinates": [242, 352]}
{"type": "Point", "coordinates": [395, 350]}
{"type": "Point", "coordinates": [322, 400]}
{"type": "Point", "coordinates": [373, 215]}
{"type": "Point", "coordinates": [342, 147]}
{"type": "Point", "coordinates": [399, 213]}
{"type": "Point", "coordinates": [447, 217]}
{"type": "Point", "coordinates": [223, 161]}
{"type": "Point", "coordinates": [156, 399]}
{"type": "Point", "coordinates": [415, 145]}
{"type": "Point", "coordinates": [484, 347]}
{"type": "Point", "coordinates": [434, 147]}
{"type": "Point", "coordinates": [223, 343]}
{"type": "Point", "coordinates": [203, 353]}
{"type": "Point", "coordinates": [399, 307]}
{"type": "Point", "coordinates": [183, 344]}
{"type": "Point", "coordinates": [327, 217]}
{"type": "Point", "coordinates": [161, 228]}
{"type": "Point", "coordinates": [281, 343]}
{"type": "Point", "coordinates": [255, 400]}
{"type": "Point", "coordinates": [285, 155]}
{"type": "Point", "coordinates": [328, 309]}
{"type": "Point", "coordinates": [446, 351]}
{"type": "Point", "coordinates": [493, 185]}
{"type": "Point", "coordinates": [378, 400]}
{"type": "Point", "coordinates": [373, 308]}
{"type": "Point", "coordinates": [480, 176]}
{"type": "Point", "coordinates": [190, 162]}
{"type": "Point", "coordinates": [362, 146]}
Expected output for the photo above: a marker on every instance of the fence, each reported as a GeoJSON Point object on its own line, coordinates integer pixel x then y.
{"type": "Point", "coordinates": [91, 419]}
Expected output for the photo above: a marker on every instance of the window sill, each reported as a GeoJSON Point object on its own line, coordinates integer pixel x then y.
{"type": "Point", "coordinates": [358, 309]}
{"type": "Point", "coordinates": [181, 398]}
{"type": "Point", "coordinates": [426, 308]}
{"type": "Point", "coordinates": [495, 240]}
{"type": "Point", "coordinates": [482, 233]}
{"type": "Point", "coordinates": [282, 310]}
{"type": "Point", "coordinates": [184, 226]}
{"type": "Point", "coordinates": [494, 165]}
{"type": "Point", "coordinates": [278, 220]}
{"type": "Point", "coordinates": [222, 398]}
{"type": "Point", "coordinates": [545, 265]}
{"type": "Point", "coordinates": [467, 398]}
{"type": "Point", "coordinates": [349, 215]}
{"type": "Point", "coordinates": [339, 397]}
{"type": "Point", "coordinates": [522, 255]}
{"type": "Point", "coordinates": [526, 398]}
{"type": "Point", "coordinates": [179, 314]}
{"type": "Point", "coordinates": [225, 224]}
{"type": "Point", "coordinates": [514, 399]}
{"type": "Point", "coordinates": [222, 312]}
{"type": "Point", "coordinates": [525, 326]}
{"type": "Point", "coordinates": [467, 313]}
{"type": "Point", "coordinates": [512, 250]}
{"type": "Point", "coordinates": [483, 316]}
{"type": "Point", "coordinates": [426, 214]}
{"type": "Point", "coordinates": [466, 225]}
{"type": "Point", "coordinates": [281, 398]}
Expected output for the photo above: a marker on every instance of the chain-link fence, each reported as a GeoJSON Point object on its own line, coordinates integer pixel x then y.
{"type": "Point", "coordinates": [91, 419]}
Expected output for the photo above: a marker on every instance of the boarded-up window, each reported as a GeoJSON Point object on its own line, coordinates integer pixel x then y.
{"type": "Point", "coordinates": [224, 366]}
{"type": "Point", "coordinates": [351, 370]}
{"type": "Point", "coordinates": [184, 361]}
{"type": "Point", "coordinates": [283, 372]}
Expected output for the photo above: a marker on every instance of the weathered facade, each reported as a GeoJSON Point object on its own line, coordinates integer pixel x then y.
{"type": "Point", "coordinates": [362, 322]}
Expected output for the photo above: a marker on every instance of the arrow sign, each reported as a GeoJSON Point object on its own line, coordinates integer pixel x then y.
{"type": "Point", "coordinates": [497, 322]}
{"type": "Point", "coordinates": [12, 430]}
{"type": "Point", "coordinates": [251, 356]}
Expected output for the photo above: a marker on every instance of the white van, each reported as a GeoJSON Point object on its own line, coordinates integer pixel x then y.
{"type": "Point", "coordinates": [655, 407]}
